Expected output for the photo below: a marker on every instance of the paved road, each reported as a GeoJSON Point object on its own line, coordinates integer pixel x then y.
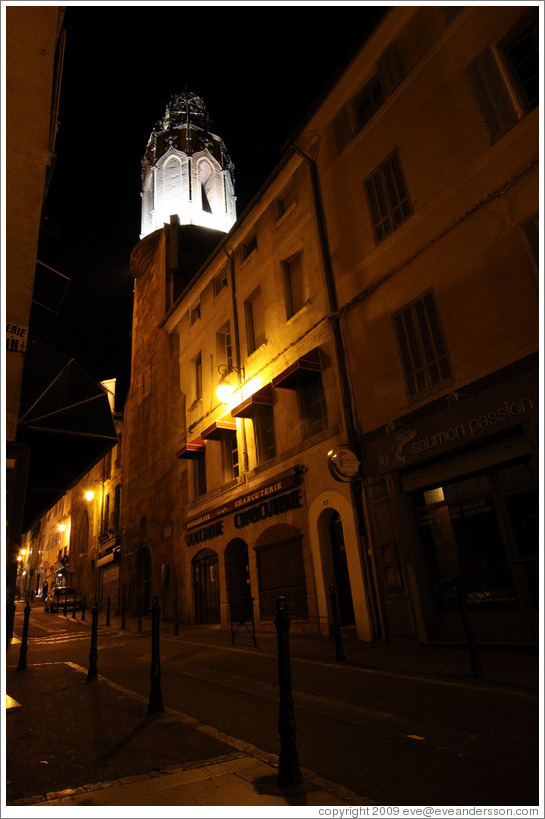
{"type": "Point", "coordinates": [395, 740]}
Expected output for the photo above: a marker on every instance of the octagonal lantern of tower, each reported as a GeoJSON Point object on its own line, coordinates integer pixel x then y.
{"type": "Point", "coordinates": [186, 171]}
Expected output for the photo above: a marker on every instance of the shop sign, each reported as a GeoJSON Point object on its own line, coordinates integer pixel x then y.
{"type": "Point", "coordinates": [16, 338]}
{"type": "Point", "coordinates": [279, 484]}
{"type": "Point", "coordinates": [467, 421]}
{"type": "Point", "coordinates": [246, 510]}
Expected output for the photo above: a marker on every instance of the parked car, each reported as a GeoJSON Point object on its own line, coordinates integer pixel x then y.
{"type": "Point", "coordinates": [61, 595]}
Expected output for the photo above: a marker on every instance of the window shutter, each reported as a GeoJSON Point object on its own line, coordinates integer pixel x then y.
{"type": "Point", "coordinates": [492, 95]}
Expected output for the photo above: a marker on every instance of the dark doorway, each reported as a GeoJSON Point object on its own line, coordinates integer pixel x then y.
{"type": "Point", "coordinates": [237, 572]}
{"type": "Point", "coordinates": [204, 569]}
{"type": "Point", "coordinates": [342, 577]}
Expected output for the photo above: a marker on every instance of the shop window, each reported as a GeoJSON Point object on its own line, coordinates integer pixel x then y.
{"type": "Point", "coordinates": [387, 197]}
{"type": "Point", "coordinates": [422, 346]}
{"type": "Point", "coordinates": [462, 540]}
{"type": "Point", "coordinates": [295, 284]}
{"type": "Point", "coordinates": [281, 573]}
{"type": "Point", "coordinates": [199, 475]}
{"type": "Point", "coordinates": [255, 320]}
{"type": "Point", "coordinates": [312, 405]}
{"type": "Point", "coordinates": [265, 442]}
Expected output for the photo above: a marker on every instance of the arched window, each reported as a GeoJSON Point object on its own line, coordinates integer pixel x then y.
{"type": "Point", "coordinates": [281, 571]}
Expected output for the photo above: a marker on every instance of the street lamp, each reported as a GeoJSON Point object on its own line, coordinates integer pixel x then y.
{"type": "Point", "coordinates": [225, 388]}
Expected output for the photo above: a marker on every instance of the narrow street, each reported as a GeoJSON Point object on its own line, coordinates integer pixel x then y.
{"type": "Point", "coordinates": [393, 738]}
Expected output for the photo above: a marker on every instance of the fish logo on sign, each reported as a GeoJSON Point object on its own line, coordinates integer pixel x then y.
{"type": "Point", "coordinates": [400, 443]}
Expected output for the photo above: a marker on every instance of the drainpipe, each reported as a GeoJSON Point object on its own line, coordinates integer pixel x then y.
{"type": "Point", "coordinates": [237, 348]}
{"type": "Point", "coordinates": [347, 399]}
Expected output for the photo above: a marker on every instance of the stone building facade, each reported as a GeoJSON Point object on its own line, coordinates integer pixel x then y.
{"type": "Point", "coordinates": [374, 312]}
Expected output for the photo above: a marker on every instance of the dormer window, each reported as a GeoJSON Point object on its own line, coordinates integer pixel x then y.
{"type": "Point", "coordinates": [195, 313]}
{"type": "Point", "coordinates": [249, 247]}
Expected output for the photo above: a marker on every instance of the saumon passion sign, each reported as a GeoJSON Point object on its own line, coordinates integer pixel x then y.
{"type": "Point", "coordinates": [485, 413]}
{"type": "Point", "coordinates": [263, 502]}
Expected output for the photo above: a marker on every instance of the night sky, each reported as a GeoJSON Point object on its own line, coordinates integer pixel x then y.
{"type": "Point", "coordinates": [259, 69]}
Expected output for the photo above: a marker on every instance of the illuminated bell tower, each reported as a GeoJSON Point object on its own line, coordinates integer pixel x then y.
{"type": "Point", "coordinates": [186, 172]}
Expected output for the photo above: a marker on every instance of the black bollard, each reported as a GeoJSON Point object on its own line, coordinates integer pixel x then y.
{"type": "Point", "coordinates": [24, 640]}
{"type": "Point", "coordinates": [74, 607]}
{"type": "Point", "coordinates": [474, 656]}
{"type": "Point", "coordinates": [155, 703]}
{"type": "Point", "coordinates": [139, 607]}
{"type": "Point", "coordinates": [289, 773]}
{"type": "Point", "coordinates": [83, 606]}
{"type": "Point", "coordinates": [176, 623]}
{"type": "Point", "coordinates": [123, 608]}
{"type": "Point", "coordinates": [339, 651]}
{"type": "Point", "coordinates": [65, 605]}
{"type": "Point", "coordinates": [108, 611]}
{"type": "Point", "coordinates": [93, 653]}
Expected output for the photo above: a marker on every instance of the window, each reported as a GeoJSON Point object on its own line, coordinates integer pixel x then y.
{"type": "Point", "coordinates": [106, 514]}
{"type": "Point", "coordinates": [492, 94]}
{"type": "Point", "coordinates": [249, 247]}
{"type": "Point", "coordinates": [357, 113]}
{"type": "Point", "coordinates": [521, 49]}
{"type": "Point", "coordinates": [265, 443]}
{"type": "Point", "coordinates": [255, 325]}
{"type": "Point", "coordinates": [117, 506]}
{"type": "Point", "coordinates": [230, 456]}
{"type": "Point", "coordinates": [505, 78]}
{"type": "Point", "coordinates": [422, 347]}
{"type": "Point", "coordinates": [224, 350]}
{"type": "Point", "coordinates": [295, 284]}
{"type": "Point", "coordinates": [220, 281]}
{"type": "Point", "coordinates": [195, 314]}
{"type": "Point", "coordinates": [530, 232]}
{"type": "Point", "coordinates": [197, 377]}
{"type": "Point", "coordinates": [387, 197]}
{"type": "Point", "coordinates": [199, 476]}
{"type": "Point", "coordinates": [312, 405]}
{"type": "Point", "coordinates": [284, 202]}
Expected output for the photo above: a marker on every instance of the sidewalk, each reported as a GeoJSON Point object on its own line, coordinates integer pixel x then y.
{"type": "Point", "coordinates": [98, 738]}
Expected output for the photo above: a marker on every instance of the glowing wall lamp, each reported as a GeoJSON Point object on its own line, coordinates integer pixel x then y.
{"type": "Point", "coordinates": [61, 527]}
{"type": "Point", "coordinates": [89, 495]}
{"type": "Point", "coordinates": [225, 388]}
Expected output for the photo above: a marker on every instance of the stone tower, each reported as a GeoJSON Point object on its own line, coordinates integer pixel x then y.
{"type": "Point", "coordinates": [186, 172]}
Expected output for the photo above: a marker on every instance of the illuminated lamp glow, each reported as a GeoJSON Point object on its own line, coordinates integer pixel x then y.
{"type": "Point", "coordinates": [62, 527]}
{"type": "Point", "coordinates": [89, 495]}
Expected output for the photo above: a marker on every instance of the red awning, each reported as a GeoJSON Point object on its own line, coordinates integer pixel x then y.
{"type": "Point", "coordinates": [261, 398]}
{"type": "Point", "coordinates": [219, 429]}
{"type": "Point", "coordinates": [192, 449]}
{"type": "Point", "coordinates": [308, 365]}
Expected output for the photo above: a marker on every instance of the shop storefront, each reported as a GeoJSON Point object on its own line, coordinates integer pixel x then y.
{"type": "Point", "coordinates": [248, 552]}
{"type": "Point", "coordinates": [453, 502]}
{"type": "Point", "coordinates": [108, 565]}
